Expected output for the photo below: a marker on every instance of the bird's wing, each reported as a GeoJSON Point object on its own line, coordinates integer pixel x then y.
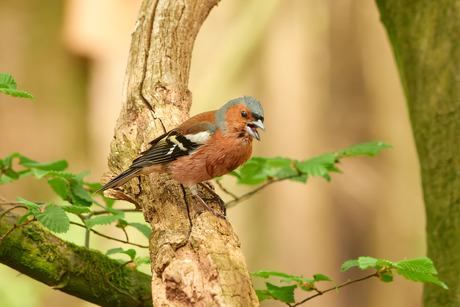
{"type": "Point", "coordinates": [174, 144]}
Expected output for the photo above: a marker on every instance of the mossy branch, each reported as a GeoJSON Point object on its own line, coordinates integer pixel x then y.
{"type": "Point", "coordinates": [72, 269]}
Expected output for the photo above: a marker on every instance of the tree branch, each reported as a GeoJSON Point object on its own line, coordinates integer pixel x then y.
{"type": "Point", "coordinates": [69, 268]}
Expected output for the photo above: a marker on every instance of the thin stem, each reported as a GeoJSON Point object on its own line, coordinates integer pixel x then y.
{"type": "Point", "coordinates": [225, 190]}
{"type": "Point", "coordinates": [106, 212]}
{"type": "Point", "coordinates": [12, 208]}
{"type": "Point", "coordinates": [333, 288]}
{"type": "Point", "coordinates": [110, 238]}
{"type": "Point", "coordinates": [126, 234]}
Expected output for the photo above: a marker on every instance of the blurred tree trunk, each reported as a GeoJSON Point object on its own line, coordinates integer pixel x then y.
{"type": "Point", "coordinates": [194, 261]}
{"type": "Point", "coordinates": [425, 36]}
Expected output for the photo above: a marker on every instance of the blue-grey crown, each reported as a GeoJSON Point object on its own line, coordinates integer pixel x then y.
{"type": "Point", "coordinates": [253, 105]}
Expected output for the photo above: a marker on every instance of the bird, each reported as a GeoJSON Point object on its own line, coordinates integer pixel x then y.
{"type": "Point", "coordinates": [206, 146]}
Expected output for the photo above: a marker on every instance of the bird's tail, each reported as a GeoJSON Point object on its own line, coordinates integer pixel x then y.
{"type": "Point", "coordinates": [120, 179]}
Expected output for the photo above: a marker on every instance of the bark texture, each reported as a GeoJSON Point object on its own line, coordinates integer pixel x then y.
{"type": "Point", "coordinates": [425, 36]}
{"type": "Point", "coordinates": [72, 269]}
{"type": "Point", "coordinates": [194, 261]}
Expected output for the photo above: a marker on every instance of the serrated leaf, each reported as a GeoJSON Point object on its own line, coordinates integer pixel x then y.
{"type": "Point", "coordinates": [267, 274]}
{"type": "Point", "coordinates": [263, 295]}
{"type": "Point", "coordinates": [78, 192]}
{"type": "Point", "coordinates": [421, 265]}
{"type": "Point", "coordinates": [60, 186]}
{"type": "Point", "coordinates": [59, 165]}
{"type": "Point", "coordinates": [61, 174]}
{"type": "Point", "coordinates": [7, 81]}
{"type": "Point", "coordinates": [145, 229]}
{"type": "Point", "coordinates": [367, 262]}
{"type": "Point", "coordinates": [16, 93]}
{"type": "Point", "coordinates": [284, 294]}
{"type": "Point", "coordinates": [366, 149]}
{"type": "Point", "coordinates": [101, 220]}
{"type": "Point", "coordinates": [421, 277]}
{"type": "Point", "coordinates": [349, 264]}
{"type": "Point", "coordinates": [54, 218]}
{"type": "Point", "coordinates": [76, 209]}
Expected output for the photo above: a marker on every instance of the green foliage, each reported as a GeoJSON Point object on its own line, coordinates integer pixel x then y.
{"type": "Point", "coordinates": [52, 217]}
{"type": "Point", "coordinates": [8, 86]}
{"type": "Point", "coordinates": [145, 229]}
{"type": "Point", "coordinates": [118, 250]}
{"type": "Point", "coordinates": [258, 169]}
{"type": "Point", "coordinates": [416, 269]}
{"type": "Point", "coordinates": [286, 294]}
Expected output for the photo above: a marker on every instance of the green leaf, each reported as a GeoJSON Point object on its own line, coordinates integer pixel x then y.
{"type": "Point", "coordinates": [118, 250]}
{"type": "Point", "coordinates": [11, 173]}
{"type": "Point", "coordinates": [387, 276]}
{"type": "Point", "coordinates": [253, 172]}
{"type": "Point", "coordinates": [59, 165]}
{"type": "Point", "coordinates": [321, 277]}
{"type": "Point", "coordinates": [267, 274]}
{"type": "Point", "coordinates": [76, 209]}
{"type": "Point", "coordinates": [54, 218]}
{"type": "Point", "coordinates": [115, 250]}
{"type": "Point", "coordinates": [40, 173]}
{"type": "Point", "coordinates": [7, 81]}
{"type": "Point", "coordinates": [348, 265]}
{"type": "Point", "coordinates": [421, 277]}
{"type": "Point", "coordinates": [78, 193]}
{"type": "Point", "coordinates": [9, 159]}
{"type": "Point", "coordinates": [60, 186]}
{"type": "Point", "coordinates": [284, 294]}
{"type": "Point", "coordinates": [102, 220]}
{"type": "Point", "coordinates": [302, 178]}
{"type": "Point", "coordinates": [30, 205]}
{"type": "Point", "coordinates": [16, 93]}
{"type": "Point", "coordinates": [61, 174]}
{"type": "Point", "coordinates": [366, 149]}
{"type": "Point", "coordinates": [263, 295]}
{"type": "Point", "coordinates": [420, 265]}
{"type": "Point", "coordinates": [317, 166]}
{"type": "Point", "coordinates": [145, 229]}
{"type": "Point", "coordinates": [367, 262]}
{"type": "Point", "coordinates": [24, 217]}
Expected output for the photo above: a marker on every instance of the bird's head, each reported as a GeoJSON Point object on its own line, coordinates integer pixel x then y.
{"type": "Point", "coordinates": [241, 115]}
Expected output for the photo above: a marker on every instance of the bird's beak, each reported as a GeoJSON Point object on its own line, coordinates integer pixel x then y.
{"type": "Point", "coordinates": [251, 128]}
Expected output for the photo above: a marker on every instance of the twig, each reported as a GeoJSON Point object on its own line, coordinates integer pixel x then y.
{"type": "Point", "coordinates": [249, 194]}
{"type": "Point", "coordinates": [333, 288]}
{"type": "Point", "coordinates": [107, 212]}
{"type": "Point", "coordinates": [110, 238]}
{"type": "Point", "coordinates": [14, 227]}
{"type": "Point", "coordinates": [126, 234]}
{"type": "Point", "coordinates": [225, 190]}
{"type": "Point", "coordinates": [10, 209]}
{"type": "Point", "coordinates": [14, 203]}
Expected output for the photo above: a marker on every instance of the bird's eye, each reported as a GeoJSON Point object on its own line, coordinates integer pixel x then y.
{"type": "Point", "coordinates": [244, 114]}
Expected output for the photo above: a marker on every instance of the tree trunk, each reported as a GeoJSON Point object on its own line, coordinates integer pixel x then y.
{"type": "Point", "coordinates": [194, 260]}
{"type": "Point", "coordinates": [425, 36]}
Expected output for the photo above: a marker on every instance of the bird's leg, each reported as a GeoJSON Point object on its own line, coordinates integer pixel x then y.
{"type": "Point", "coordinates": [216, 197]}
{"type": "Point", "coordinates": [194, 191]}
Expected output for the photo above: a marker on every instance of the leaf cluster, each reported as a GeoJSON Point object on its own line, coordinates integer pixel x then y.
{"type": "Point", "coordinates": [259, 169]}
{"type": "Point", "coordinates": [415, 269]}
{"type": "Point", "coordinates": [71, 188]}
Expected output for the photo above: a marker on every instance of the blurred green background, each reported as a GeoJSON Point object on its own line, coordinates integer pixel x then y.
{"type": "Point", "coordinates": [325, 74]}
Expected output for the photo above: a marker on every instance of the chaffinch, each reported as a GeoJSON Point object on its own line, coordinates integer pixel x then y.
{"type": "Point", "coordinates": [205, 146]}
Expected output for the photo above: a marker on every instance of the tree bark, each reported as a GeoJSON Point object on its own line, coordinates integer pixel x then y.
{"type": "Point", "coordinates": [425, 36]}
{"type": "Point", "coordinates": [194, 260]}
{"type": "Point", "coordinates": [72, 269]}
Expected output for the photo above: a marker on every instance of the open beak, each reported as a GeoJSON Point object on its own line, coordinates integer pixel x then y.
{"type": "Point", "coordinates": [251, 128]}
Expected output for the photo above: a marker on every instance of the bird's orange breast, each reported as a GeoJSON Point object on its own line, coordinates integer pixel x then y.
{"type": "Point", "coordinates": [221, 155]}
